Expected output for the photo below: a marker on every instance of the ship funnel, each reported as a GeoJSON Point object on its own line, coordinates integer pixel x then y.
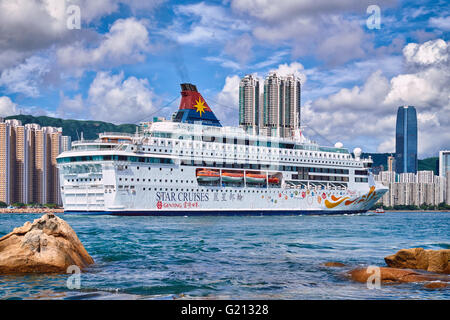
{"type": "Point", "coordinates": [193, 108]}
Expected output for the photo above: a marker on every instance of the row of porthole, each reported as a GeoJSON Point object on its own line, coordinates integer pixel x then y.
{"type": "Point", "coordinates": [257, 157]}
{"type": "Point", "coordinates": [149, 168]}
{"type": "Point", "coordinates": [84, 179]}
{"type": "Point", "coordinates": [224, 148]}
{"type": "Point", "coordinates": [156, 180]}
{"type": "Point", "coordinates": [219, 190]}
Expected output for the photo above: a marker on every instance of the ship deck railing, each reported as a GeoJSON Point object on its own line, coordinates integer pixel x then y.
{"type": "Point", "coordinates": [308, 185]}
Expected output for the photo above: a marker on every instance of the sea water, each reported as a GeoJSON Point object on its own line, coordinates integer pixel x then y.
{"type": "Point", "coordinates": [236, 257]}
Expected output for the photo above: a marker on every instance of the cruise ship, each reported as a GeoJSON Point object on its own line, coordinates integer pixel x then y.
{"type": "Point", "coordinates": [192, 165]}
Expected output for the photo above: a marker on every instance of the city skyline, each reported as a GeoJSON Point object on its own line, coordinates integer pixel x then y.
{"type": "Point", "coordinates": [125, 62]}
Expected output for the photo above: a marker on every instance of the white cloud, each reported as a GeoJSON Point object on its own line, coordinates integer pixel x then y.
{"type": "Point", "coordinates": [26, 77]}
{"type": "Point", "coordinates": [328, 30]}
{"type": "Point", "coordinates": [271, 60]}
{"type": "Point", "coordinates": [272, 11]}
{"type": "Point", "coordinates": [7, 107]}
{"type": "Point", "coordinates": [113, 98]}
{"type": "Point", "coordinates": [126, 42]}
{"type": "Point", "coordinates": [227, 109]}
{"type": "Point", "coordinates": [428, 53]}
{"type": "Point", "coordinates": [29, 25]}
{"type": "Point", "coordinates": [442, 23]}
{"type": "Point", "coordinates": [92, 10]}
{"type": "Point", "coordinates": [71, 107]}
{"type": "Point", "coordinates": [206, 23]}
{"type": "Point", "coordinates": [294, 68]}
{"type": "Point", "coordinates": [226, 63]}
{"type": "Point", "coordinates": [240, 48]}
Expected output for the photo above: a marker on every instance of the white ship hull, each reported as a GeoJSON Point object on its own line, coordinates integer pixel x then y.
{"type": "Point", "coordinates": [159, 191]}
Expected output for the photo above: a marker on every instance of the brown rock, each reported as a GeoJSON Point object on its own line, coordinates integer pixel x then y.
{"type": "Point", "coordinates": [436, 285]}
{"type": "Point", "coordinates": [48, 244]}
{"type": "Point", "coordinates": [418, 258]}
{"type": "Point", "coordinates": [334, 264]}
{"type": "Point", "coordinates": [394, 275]}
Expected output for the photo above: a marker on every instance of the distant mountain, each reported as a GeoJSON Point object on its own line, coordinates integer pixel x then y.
{"type": "Point", "coordinates": [73, 128]}
{"type": "Point", "coordinates": [378, 158]}
{"type": "Point", "coordinates": [381, 159]}
{"type": "Point", "coordinates": [429, 164]}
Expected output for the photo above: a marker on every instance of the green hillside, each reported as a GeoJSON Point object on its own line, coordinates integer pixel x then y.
{"type": "Point", "coordinates": [381, 159]}
{"type": "Point", "coordinates": [73, 128]}
{"type": "Point", "coordinates": [429, 164]}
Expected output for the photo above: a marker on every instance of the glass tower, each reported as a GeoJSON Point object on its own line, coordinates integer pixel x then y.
{"type": "Point", "coordinates": [444, 163]}
{"type": "Point", "coordinates": [406, 140]}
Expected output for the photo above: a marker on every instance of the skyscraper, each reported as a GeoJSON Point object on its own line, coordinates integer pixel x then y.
{"type": "Point", "coordinates": [406, 140]}
{"type": "Point", "coordinates": [281, 107]}
{"type": "Point", "coordinates": [271, 105]}
{"type": "Point", "coordinates": [290, 105]}
{"type": "Point", "coordinates": [444, 163]}
{"type": "Point", "coordinates": [444, 174]}
{"type": "Point", "coordinates": [249, 104]}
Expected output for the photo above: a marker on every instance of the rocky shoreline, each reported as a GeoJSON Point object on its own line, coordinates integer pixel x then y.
{"type": "Point", "coordinates": [46, 245]}
{"type": "Point", "coordinates": [431, 267]}
{"type": "Point", "coordinates": [32, 210]}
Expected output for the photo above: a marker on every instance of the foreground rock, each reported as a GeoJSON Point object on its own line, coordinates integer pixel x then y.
{"type": "Point", "coordinates": [394, 275]}
{"type": "Point", "coordinates": [48, 244]}
{"type": "Point", "coordinates": [436, 285]}
{"type": "Point", "coordinates": [334, 264]}
{"type": "Point", "coordinates": [418, 258]}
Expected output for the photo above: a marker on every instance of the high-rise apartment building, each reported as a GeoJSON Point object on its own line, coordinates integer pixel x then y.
{"type": "Point", "coordinates": [391, 163]}
{"type": "Point", "coordinates": [406, 140]}
{"type": "Point", "coordinates": [290, 105]}
{"type": "Point", "coordinates": [271, 106]}
{"type": "Point", "coordinates": [277, 112]}
{"type": "Point", "coordinates": [249, 104]}
{"type": "Point", "coordinates": [6, 164]}
{"type": "Point", "coordinates": [425, 176]}
{"type": "Point", "coordinates": [28, 172]}
{"type": "Point", "coordinates": [21, 168]}
{"type": "Point", "coordinates": [65, 143]}
{"type": "Point", "coordinates": [413, 189]}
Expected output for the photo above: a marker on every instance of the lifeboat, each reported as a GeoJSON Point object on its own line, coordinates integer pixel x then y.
{"type": "Point", "coordinates": [207, 175]}
{"type": "Point", "coordinates": [232, 176]}
{"type": "Point", "coordinates": [255, 178]}
{"type": "Point", "coordinates": [274, 180]}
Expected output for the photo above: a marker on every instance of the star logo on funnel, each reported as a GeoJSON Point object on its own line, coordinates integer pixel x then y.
{"type": "Point", "coordinates": [200, 106]}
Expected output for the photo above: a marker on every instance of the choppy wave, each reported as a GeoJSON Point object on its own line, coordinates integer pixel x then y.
{"type": "Point", "coordinates": [233, 257]}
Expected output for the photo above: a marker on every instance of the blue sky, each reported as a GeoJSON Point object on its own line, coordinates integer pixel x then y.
{"type": "Point", "coordinates": [125, 63]}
